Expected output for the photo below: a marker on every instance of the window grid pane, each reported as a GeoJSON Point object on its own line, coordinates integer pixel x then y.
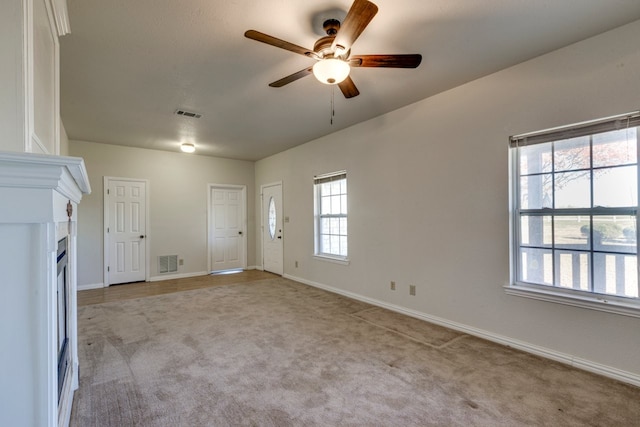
{"type": "Point", "coordinates": [332, 218]}
{"type": "Point", "coordinates": [566, 238]}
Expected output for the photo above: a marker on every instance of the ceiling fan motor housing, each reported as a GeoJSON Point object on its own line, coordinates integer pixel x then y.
{"type": "Point", "coordinates": [323, 47]}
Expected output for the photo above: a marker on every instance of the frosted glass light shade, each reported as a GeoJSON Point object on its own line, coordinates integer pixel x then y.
{"type": "Point", "coordinates": [188, 148]}
{"type": "Point", "coordinates": [331, 71]}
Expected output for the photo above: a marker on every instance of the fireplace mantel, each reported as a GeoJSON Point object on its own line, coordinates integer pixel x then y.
{"type": "Point", "coordinates": [38, 207]}
{"type": "Point", "coordinates": [66, 175]}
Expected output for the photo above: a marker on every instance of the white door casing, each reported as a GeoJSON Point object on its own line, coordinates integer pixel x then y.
{"type": "Point", "coordinates": [126, 213]}
{"type": "Point", "coordinates": [227, 240]}
{"type": "Point", "coordinates": [272, 226]}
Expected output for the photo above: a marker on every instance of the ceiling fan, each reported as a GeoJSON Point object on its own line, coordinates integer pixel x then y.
{"type": "Point", "coordinates": [333, 51]}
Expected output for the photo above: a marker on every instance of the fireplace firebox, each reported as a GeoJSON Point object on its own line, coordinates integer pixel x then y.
{"type": "Point", "coordinates": [63, 291]}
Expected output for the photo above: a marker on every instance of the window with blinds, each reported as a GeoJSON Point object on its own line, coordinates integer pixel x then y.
{"type": "Point", "coordinates": [575, 209]}
{"type": "Point", "coordinates": [331, 215]}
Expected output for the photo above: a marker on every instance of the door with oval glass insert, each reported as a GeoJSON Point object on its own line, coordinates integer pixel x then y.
{"type": "Point", "coordinates": [272, 236]}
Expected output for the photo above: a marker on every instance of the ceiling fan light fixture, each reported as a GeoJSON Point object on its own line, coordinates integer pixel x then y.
{"type": "Point", "coordinates": [188, 147]}
{"type": "Point", "coordinates": [331, 71]}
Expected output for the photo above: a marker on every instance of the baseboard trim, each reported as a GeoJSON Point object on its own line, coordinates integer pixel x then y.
{"type": "Point", "coordinates": [90, 286]}
{"type": "Point", "coordinates": [177, 276]}
{"type": "Point", "coordinates": [586, 365]}
{"type": "Point", "coordinates": [160, 278]}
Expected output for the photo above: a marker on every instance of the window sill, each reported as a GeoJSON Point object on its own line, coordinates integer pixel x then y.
{"type": "Point", "coordinates": [604, 303]}
{"type": "Point", "coordinates": [335, 260]}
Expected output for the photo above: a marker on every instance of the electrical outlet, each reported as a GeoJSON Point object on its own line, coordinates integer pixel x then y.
{"type": "Point", "coordinates": [412, 289]}
{"type": "Point", "coordinates": [393, 285]}
{"type": "Point", "coordinates": [296, 264]}
{"type": "Point", "coordinates": [181, 262]}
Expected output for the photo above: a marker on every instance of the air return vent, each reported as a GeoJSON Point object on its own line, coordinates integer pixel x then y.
{"type": "Point", "coordinates": [181, 112]}
{"type": "Point", "coordinates": [167, 264]}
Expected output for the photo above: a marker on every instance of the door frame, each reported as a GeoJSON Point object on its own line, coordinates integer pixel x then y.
{"type": "Point", "coordinates": [105, 225]}
{"type": "Point", "coordinates": [243, 189]}
{"type": "Point", "coordinates": [262, 223]}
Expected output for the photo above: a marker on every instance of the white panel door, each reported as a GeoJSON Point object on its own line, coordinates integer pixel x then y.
{"type": "Point", "coordinates": [227, 247]}
{"type": "Point", "coordinates": [272, 238]}
{"type": "Point", "coordinates": [126, 231]}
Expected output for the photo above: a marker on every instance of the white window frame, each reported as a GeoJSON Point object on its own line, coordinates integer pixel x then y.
{"type": "Point", "coordinates": [585, 299]}
{"type": "Point", "coordinates": [319, 251]}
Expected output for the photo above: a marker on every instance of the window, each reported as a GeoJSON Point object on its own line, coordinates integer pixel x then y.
{"type": "Point", "coordinates": [575, 196]}
{"type": "Point", "coordinates": [272, 218]}
{"type": "Point", "coordinates": [331, 215]}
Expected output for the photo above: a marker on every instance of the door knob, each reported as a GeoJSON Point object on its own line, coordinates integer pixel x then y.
{"type": "Point", "coordinates": [142, 236]}
{"type": "Point", "coordinates": [279, 237]}
{"type": "Point", "coordinates": [240, 233]}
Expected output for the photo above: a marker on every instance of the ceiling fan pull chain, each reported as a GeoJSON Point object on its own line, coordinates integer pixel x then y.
{"type": "Point", "coordinates": [333, 111]}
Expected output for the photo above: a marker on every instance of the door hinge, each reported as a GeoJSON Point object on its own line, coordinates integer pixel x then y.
{"type": "Point", "coordinates": [108, 268]}
{"type": "Point", "coordinates": [107, 229]}
{"type": "Point", "coordinates": [108, 191]}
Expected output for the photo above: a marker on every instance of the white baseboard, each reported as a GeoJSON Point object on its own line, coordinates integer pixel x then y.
{"type": "Point", "coordinates": [160, 278]}
{"type": "Point", "coordinates": [90, 286]}
{"type": "Point", "coordinates": [177, 276]}
{"type": "Point", "coordinates": [587, 365]}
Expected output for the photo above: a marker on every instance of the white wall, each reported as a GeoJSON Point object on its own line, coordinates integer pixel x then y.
{"type": "Point", "coordinates": [429, 199]}
{"type": "Point", "coordinates": [178, 203]}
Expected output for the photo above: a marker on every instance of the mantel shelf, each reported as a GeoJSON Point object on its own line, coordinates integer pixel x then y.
{"type": "Point", "coordinates": [67, 175]}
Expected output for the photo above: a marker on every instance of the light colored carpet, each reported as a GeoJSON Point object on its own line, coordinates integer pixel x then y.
{"type": "Point", "coordinates": [278, 353]}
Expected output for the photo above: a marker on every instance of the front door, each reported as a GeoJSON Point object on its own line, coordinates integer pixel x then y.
{"type": "Point", "coordinates": [272, 239]}
{"type": "Point", "coordinates": [227, 241]}
{"type": "Point", "coordinates": [126, 230]}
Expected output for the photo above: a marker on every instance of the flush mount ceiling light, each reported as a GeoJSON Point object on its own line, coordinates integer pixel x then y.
{"type": "Point", "coordinates": [331, 71]}
{"type": "Point", "coordinates": [188, 147]}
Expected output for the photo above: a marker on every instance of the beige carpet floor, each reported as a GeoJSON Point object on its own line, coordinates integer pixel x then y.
{"type": "Point", "coordinates": [278, 353]}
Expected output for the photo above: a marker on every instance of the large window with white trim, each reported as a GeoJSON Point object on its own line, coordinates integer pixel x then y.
{"type": "Point", "coordinates": [330, 192]}
{"type": "Point", "coordinates": [575, 210]}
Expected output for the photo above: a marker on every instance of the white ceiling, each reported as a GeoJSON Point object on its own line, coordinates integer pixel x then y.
{"type": "Point", "coordinates": [129, 64]}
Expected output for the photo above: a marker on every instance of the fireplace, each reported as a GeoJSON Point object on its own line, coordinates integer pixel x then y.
{"type": "Point", "coordinates": [38, 222]}
{"type": "Point", "coordinates": [63, 312]}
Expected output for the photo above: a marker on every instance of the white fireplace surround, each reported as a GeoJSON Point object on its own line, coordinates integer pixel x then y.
{"type": "Point", "coordinates": [35, 192]}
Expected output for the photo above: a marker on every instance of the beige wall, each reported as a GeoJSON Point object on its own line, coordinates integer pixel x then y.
{"type": "Point", "coordinates": [429, 200]}
{"type": "Point", "coordinates": [12, 117]}
{"type": "Point", "coordinates": [178, 203]}
{"type": "Point", "coordinates": [64, 141]}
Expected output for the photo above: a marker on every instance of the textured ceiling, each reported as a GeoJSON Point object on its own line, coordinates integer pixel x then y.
{"type": "Point", "coordinates": [128, 65]}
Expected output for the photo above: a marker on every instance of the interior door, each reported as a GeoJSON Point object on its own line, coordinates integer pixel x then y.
{"type": "Point", "coordinates": [272, 237]}
{"type": "Point", "coordinates": [227, 239]}
{"type": "Point", "coordinates": [126, 230]}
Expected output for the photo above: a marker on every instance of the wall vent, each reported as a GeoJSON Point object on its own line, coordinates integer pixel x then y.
{"type": "Point", "coordinates": [167, 264]}
{"type": "Point", "coordinates": [181, 112]}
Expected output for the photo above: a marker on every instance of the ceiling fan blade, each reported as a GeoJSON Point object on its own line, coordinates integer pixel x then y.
{"type": "Point", "coordinates": [357, 19]}
{"type": "Point", "coordinates": [392, 61]}
{"type": "Point", "coordinates": [348, 88]}
{"type": "Point", "coordinates": [282, 44]}
{"type": "Point", "coordinates": [292, 78]}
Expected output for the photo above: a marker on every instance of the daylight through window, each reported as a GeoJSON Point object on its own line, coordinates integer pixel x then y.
{"type": "Point", "coordinates": [576, 208]}
{"type": "Point", "coordinates": [331, 215]}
